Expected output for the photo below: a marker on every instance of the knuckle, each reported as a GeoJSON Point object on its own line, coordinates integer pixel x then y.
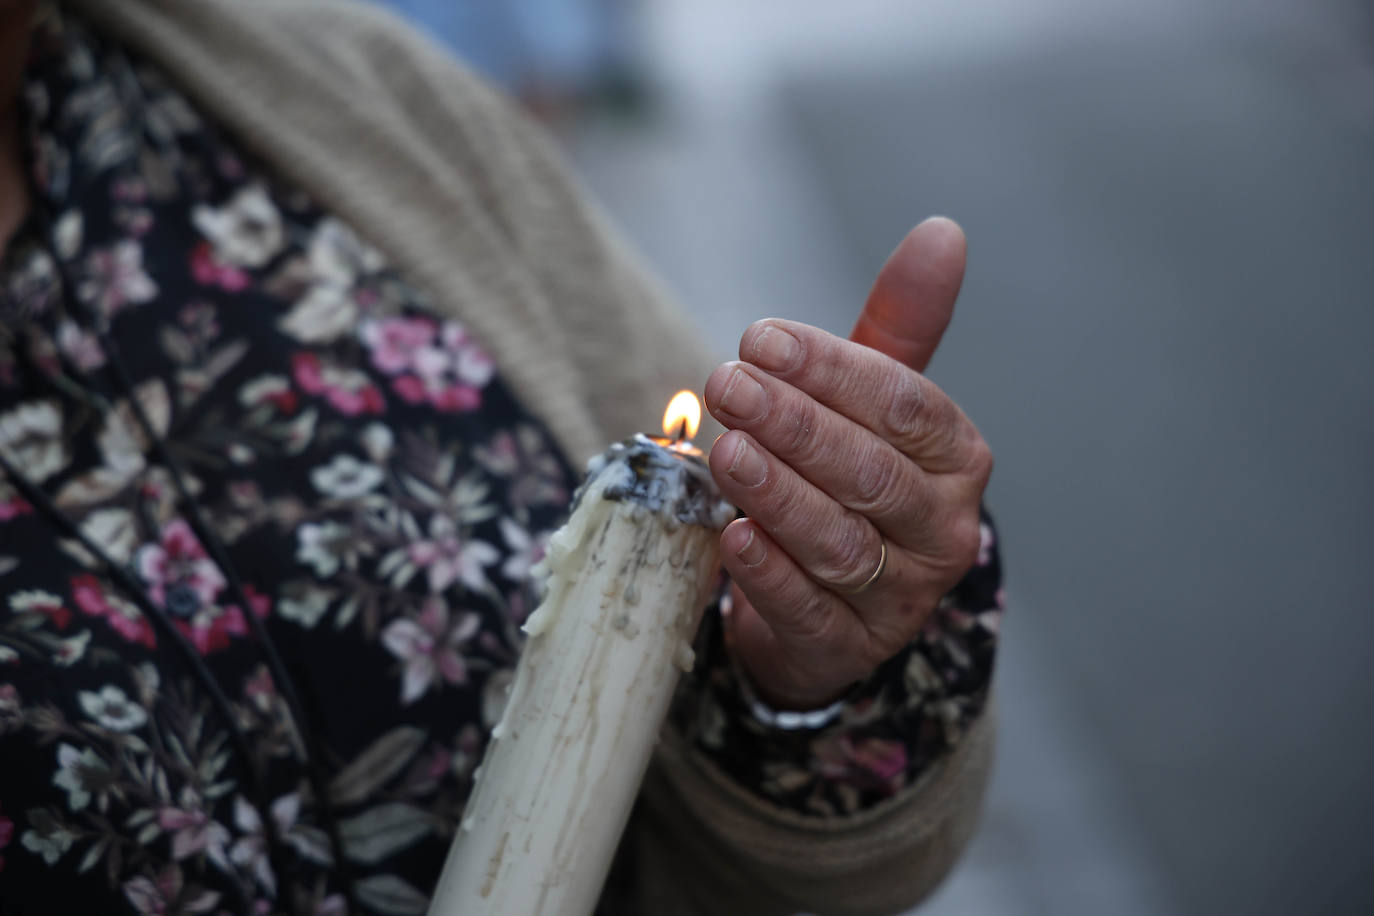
{"type": "Point", "coordinates": [907, 405]}
{"type": "Point", "coordinates": [794, 426]}
{"type": "Point", "coordinates": [981, 463]}
{"type": "Point", "coordinates": [848, 560]}
{"type": "Point", "coordinates": [966, 537]}
{"type": "Point", "coordinates": [776, 495]}
{"type": "Point", "coordinates": [875, 482]}
{"type": "Point", "coordinates": [816, 620]}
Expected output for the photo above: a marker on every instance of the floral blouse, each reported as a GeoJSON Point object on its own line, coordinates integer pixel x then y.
{"type": "Point", "coordinates": [381, 493]}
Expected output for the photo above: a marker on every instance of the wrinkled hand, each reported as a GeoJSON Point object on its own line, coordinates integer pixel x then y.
{"type": "Point", "coordinates": [833, 447]}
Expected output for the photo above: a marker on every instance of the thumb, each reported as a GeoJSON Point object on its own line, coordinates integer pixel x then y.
{"type": "Point", "coordinates": [913, 298]}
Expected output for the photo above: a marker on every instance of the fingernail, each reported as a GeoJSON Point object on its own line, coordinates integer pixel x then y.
{"type": "Point", "coordinates": [753, 553]}
{"type": "Point", "coordinates": [748, 467]}
{"type": "Point", "coordinates": [744, 397]}
{"type": "Point", "coordinates": [776, 350]}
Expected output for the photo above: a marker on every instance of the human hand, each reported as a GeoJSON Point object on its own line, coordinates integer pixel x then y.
{"type": "Point", "coordinates": [834, 449]}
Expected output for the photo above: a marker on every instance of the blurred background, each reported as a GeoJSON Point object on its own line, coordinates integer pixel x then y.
{"type": "Point", "coordinates": [1167, 334]}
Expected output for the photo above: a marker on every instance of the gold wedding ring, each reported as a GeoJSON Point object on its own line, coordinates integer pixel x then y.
{"type": "Point", "coordinates": [867, 583]}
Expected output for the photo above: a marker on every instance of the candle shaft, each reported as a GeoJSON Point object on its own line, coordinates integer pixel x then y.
{"type": "Point", "coordinates": [629, 576]}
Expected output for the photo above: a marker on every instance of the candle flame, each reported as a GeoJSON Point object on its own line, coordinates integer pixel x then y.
{"type": "Point", "coordinates": [683, 416]}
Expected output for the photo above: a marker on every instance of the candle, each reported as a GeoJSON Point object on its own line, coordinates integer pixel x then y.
{"type": "Point", "coordinates": [628, 577]}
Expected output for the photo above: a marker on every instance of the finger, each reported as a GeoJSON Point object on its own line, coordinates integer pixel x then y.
{"type": "Point", "coordinates": [792, 634]}
{"type": "Point", "coordinates": [877, 392]}
{"type": "Point", "coordinates": [835, 547]}
{"type": "Point", "coordinates": [844, 460]}
{"type": "Point", "coordinates": [912, 299]}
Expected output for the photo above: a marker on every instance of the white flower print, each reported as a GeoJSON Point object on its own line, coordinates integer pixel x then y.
{"type": "Point", "coordinates": [346, 477]}
{"type": "Point", "coordinates": [33, 599]}
{"type": "Point", "coordinates": [8, 655]}
{"type": "Point", "coordinates": [305, 608]}
{"type": "Point", "coordinates": [51, 845]}
{"type": "Point", "coordinates": [449, 559]}
{"type": "Point", "coordinates": [324, 314]}
{"type": "Point", "coordinates": [71, 649]}
{"type": "Point", "coordinates": [114, 277]}
{"type": "Point", "coordinates": [79, 346]}
{"type": "Point", "coordinates": [324, 545]}
{"type": "Point", "coordinates": [121, 445]}
{"type": "Point", "coordinates": [525, 551]}
{"type": "Point", "coordinates": [328, 310]}
{"type": "Point", "coordinates": [82, 774]}
{"type": "Point", "coordinates": [430, 647]}
{"type": "Point", "coordinates": [247, 231]}
{"type": "Point", "coordinates": [377, 441]}
{"type": "Point", "coordinates": [31, 438]}
{"type": "Point", "coordinates": [112, 708]}
{"type": "Point", "coordinates": [114, 530]}
{"type": "Point", "coordinates": [338, 257]}
{"type": "Point", "coordinates": [68, 232]}
{"type": "Point", "coordinates": [267, 388]}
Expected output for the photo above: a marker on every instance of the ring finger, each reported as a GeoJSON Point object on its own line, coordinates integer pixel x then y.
{"type": "Point", "coordinates": [835, 546]}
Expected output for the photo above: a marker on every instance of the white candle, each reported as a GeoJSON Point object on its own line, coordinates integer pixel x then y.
{"type": "Point", "coordinates": [629, 575]}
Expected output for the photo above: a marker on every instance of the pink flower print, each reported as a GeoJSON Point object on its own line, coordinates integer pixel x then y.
{"type": "Point", "coordinates": [333, 905]}
{"type": "Point", "coordinates": [884, 759]}
{"type": "Point", "coordinates": [6, 834]}
{"type": "Point", "coordinates": [536, 476]}
{"type": "Point", "coordinates": [874, 762]}
{"type": "Point", "coordinates": [449, 559]}
{"type": "Point", "coordinates": [11, 504]}
{"type": "Point", "coordinates": [211, 631]}
{"type": "Point", "coordinates": [123, 617]}
{"type": "Point", "coordinates": [165, 894]}
{"type": "Point", "coordinates": [129, 190]}
{"type": "Point", "coordinates": [182, 579]}
{"type": "Point", "coordinates": [393, 341]}
{"type": "Point", "coordinates": [430, 648]}
{"type": "Point", "coordinates": [180, 575]}
{"type": "Point", "coordinates": [469, 362]}
{"type": "Point", "coordinates": [435, 364]}
{"type": "Point", "coordinates": [212, 627]}
{"type": "Point", "coordinates": [525, 549]}
{"type": "Point", "coordinates": [209, 270]}
{"type": "Point", "coordinates": [193, 830]}
{"type": "Point", "coordinates": [115, 277]}
{"type": "Point", "coordinates": [348, 391]}
{"type": "Point", "coordinates": [250, 850]}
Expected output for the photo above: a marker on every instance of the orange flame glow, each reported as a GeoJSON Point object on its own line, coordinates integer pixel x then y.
{"type": "Point", "coordinates": [683, 416]}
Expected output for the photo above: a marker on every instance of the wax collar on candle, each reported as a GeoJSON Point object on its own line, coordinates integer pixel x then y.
{"type": "Point", "coordinates": [662, 477]}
